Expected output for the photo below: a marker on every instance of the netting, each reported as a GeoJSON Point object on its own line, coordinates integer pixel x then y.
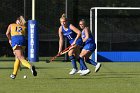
{"type": "Point", "coordinates": [118, 30]}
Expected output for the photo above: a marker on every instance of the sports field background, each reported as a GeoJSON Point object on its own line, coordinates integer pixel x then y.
{"type": "Point", "coordinates": [54, 78]}
{"type": "Point", "coordinates": [114, 77]}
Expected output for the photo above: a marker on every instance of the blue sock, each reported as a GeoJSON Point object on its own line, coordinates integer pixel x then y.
{"type": "Point", "coordinates": [82, 64]}
{"type": "Point", "coordinates": [91, 62]}
{"type": "Point", "coordinates": [73, 61]}
{"type": "Point", "coordinates": [81, 68]}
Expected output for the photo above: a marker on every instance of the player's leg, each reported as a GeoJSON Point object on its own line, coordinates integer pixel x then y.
{"type": "Point", "coordinates": [90, 49]}
{"type": "Point", "coordinates": [90, 61]}
{"type": "Point", "coordinates": [77, 53]}
{"type": "Point", "coordinates": [84, 69]}
{"type": "Point", "coordinates": [16, 67]}
{"type": "Point", "coordinates": [73, 61]}
{"type": "Point", "coordinates": [20, 56]}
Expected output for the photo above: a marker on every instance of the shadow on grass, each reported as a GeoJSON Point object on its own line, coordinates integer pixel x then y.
{"type": "Point", "coordinates": [6, 67]}
{"type": "Point", "coordinates": [105, 75]}
{"type": "Point", "coordinates": [109, 77]}
{"type": "Point", "coordinates": [75, 78]}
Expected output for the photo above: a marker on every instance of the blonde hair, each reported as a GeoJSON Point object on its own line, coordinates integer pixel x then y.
{"type": "Point", "coordinates": [23, 22]}
{"type": "Point", "coordinates": [63, 17]}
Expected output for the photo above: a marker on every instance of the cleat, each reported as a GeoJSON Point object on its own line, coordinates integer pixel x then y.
{"type": "Point", "coordinates": [98, 66]}
{"type": "Point", "coordinates": [85, 72]}
{"type": "Point", "coordinates": [34, 72]}
{"type": "Point", "coordinates": [73, 71]}
{"type": "Point", "coordinates": [12, 76]}
{"type": "Point", "coordinates": [79, 71]}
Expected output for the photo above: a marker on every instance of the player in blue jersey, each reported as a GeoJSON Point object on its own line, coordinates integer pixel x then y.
{"type": "Point", "coordinates": [73, 35]}
{"type": "Point", "coordinates": [16, 36]}
{"type": "Point", "coordinates": [89, 46]}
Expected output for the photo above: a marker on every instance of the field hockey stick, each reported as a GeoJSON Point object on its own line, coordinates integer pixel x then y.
{"type": "Point", "coordinates": [55, 57]}
{"type": "Point", "coordinates": [61, 53]}
{"type": "Point", "coordinates": [48, 61]}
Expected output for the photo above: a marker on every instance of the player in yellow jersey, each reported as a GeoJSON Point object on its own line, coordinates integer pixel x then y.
{"type": "Point", "coordinates": [16, 36]}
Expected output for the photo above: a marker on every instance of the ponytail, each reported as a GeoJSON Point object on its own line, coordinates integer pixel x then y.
{"type": "Point", "coordinates": [63, 17]}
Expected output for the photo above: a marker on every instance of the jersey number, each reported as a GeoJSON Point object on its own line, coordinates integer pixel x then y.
{"type": "Point", "coordinates": [18, 29]}
{"type": "Point", "coordinates": [69, 37]}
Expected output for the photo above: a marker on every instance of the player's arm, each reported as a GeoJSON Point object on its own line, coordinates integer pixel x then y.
{"type": "Point", "coordinates": [8, 34]}
{"type": "Point", "coordinates": [77, 31]}
{"type": "Point", "coordinates": [86, 29]}
{"type": "Point", "coordinates": [60, 39]}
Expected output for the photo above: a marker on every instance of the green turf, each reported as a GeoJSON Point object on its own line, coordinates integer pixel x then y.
{"type": "Point", "coordinates": [54, 78]}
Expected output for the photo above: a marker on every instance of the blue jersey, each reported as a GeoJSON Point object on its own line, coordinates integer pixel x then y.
{"type": "Point", "coordinates": [71, 35]}
{"type": "Point", "coordinates": [89, 43]}
{"type": "Point", "coordinates": [90, 39]}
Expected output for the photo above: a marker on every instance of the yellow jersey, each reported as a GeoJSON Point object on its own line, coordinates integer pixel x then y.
{"type": "Point", "coordinates": [17, 29]}
{"type": "Point", "coordinates": [18, 36]}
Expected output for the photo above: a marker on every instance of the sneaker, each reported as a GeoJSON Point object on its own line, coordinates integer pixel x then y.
{"type": "Point", "coordinates": [85, 72]}
{"type": "Point", "coordinates": [12, 76]}
{"type": "Point", "coordinates": [73, 71]}
{"type": "Point", "coordinates": [79, 71]}
{"type": "Point", "coordinates": [98, 66]}
{"type": "Point", "coordinates": [34, 72]}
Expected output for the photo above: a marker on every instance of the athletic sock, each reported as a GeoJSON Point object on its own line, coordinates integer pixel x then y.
{"type": "Point", "coordinates": [16, 66]}
{"type": "Point", "coordinates": [91, 62]}
{"type": "Point", "coordinates": [82, 64]}
{"type": "Point", "coordinates": [25, 63]}
{"type": "Point", "coordinates": [81, 67]}
{"type": "Point", "coordinates": [73, 61]}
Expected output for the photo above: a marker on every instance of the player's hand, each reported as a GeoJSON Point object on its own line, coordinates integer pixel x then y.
{"type": "Point", "coordinates": [72, 47]}
{"type": "Point", "coordinates": [59, 53]}
{"type": "Point", "coordinates": [73, 43]}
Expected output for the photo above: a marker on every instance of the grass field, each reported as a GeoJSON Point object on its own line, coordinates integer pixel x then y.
{"type": "Point", "coordinates": [54, 78]}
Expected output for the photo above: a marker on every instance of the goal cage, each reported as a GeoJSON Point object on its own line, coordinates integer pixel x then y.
{"type": "Point", "coordinates": [117, 33]}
